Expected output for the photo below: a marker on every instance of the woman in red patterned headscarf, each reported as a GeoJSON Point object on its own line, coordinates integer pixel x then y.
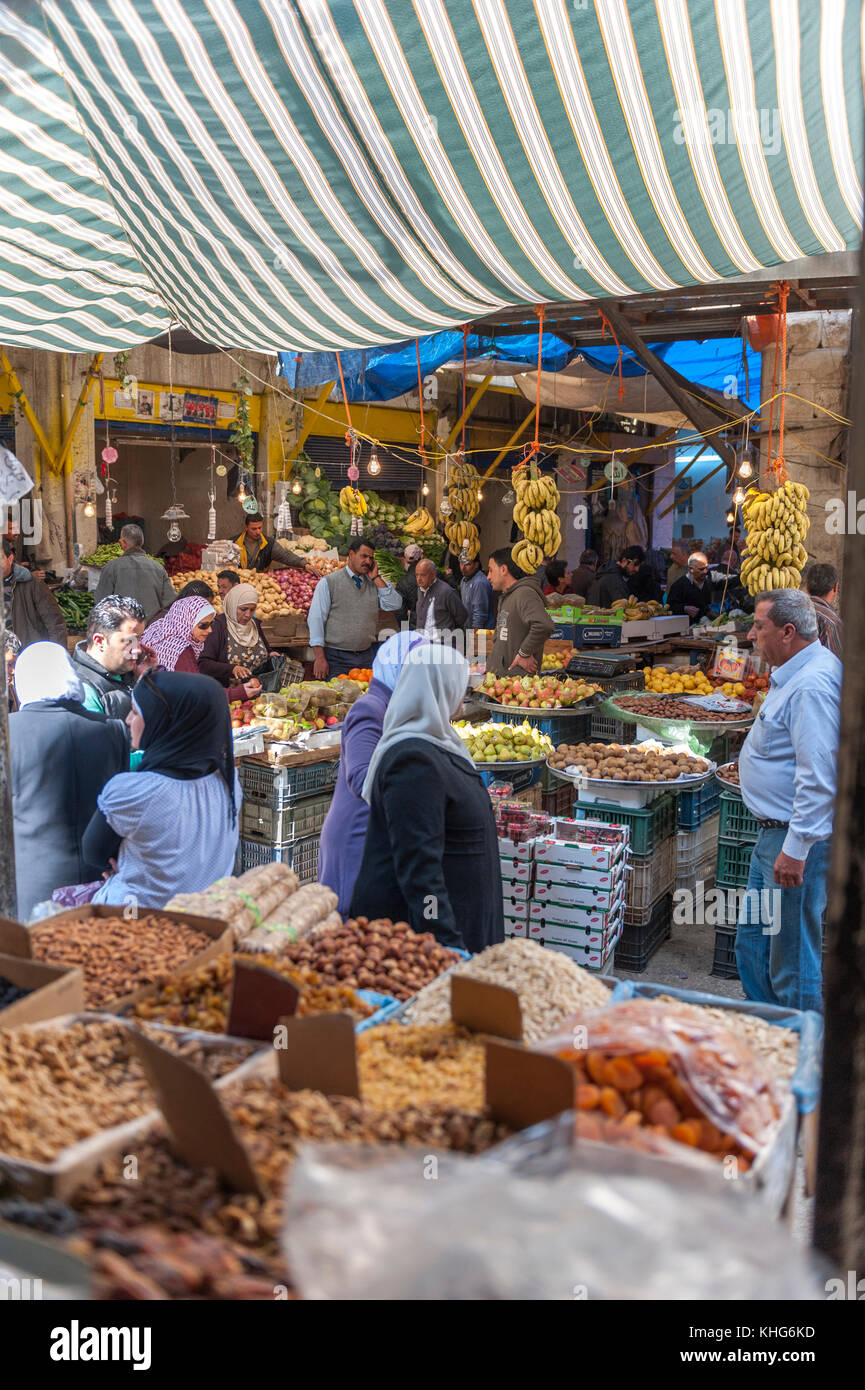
{"type": "Point", "coordinates": [178, 640]}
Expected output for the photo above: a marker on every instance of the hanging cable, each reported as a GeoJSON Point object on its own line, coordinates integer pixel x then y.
{"type": "Point", "coordinates": [465, 340]}
{"type": "Point", "coordinates": [605, 324]}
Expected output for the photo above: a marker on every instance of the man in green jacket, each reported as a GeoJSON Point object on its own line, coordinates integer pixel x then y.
{"type": "Point", "coordinates": [523, 623]}
{"type": "Point", "coordinates": [134, 575]}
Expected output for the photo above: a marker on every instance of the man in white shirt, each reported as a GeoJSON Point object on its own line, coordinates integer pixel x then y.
{"type": "Point", "coordinates": [439, 607]}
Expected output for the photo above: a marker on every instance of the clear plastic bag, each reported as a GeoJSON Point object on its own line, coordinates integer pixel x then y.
{"type": "Point", "coordinates": [532, 1219]}
{"type": "Point", "coordinates": [661, 1066]}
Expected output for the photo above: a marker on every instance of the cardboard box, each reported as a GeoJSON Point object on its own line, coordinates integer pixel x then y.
{"type": "Point", "coordinates": [577, 876]}
{"type": "Point", "coordinates": [57, 989]}
{"type": "Point", "coordinates": [17, 940]}
{"type": "Point", "coordinates": [556, 934]}
{"type": "Point", "coordinates": [535, 930]}
{"type": "Point", "coordinates": [579, 853]}
{"type": "Point", "coordinates": [666, 625]}
{"type": "Point", "coordinates": [516, 928]}
{"type": "Point", "coordinates": [576, 895]}
{"type": "Point", "coordinates": [516, 907]}
{"type": "Point", "coordinates": [516, 871]}
{"type": "Point", "coordinates": [583, 917]}
{"type": "Point", "coordinates": [508, 849]}
{"type": "Point", "coordinates": [589, 957]}
{"type": "Point", "coordinates": [638, 630]}
{"type": "Point", "coordinates": [516, 891]}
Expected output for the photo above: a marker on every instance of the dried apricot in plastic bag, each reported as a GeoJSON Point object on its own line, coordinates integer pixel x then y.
{"type": "Point", "coordinates": [588, 1096]}
{"type": "Point", "coordinates": [621, 1073]}
{"type": "Point", "coordinates": [612, 1103]}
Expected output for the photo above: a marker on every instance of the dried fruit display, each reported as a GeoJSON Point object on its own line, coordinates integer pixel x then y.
{"type": "Point", "coordinates": [730, 773]}
{"type": "Point", "coordinates": [381, 955]}
{"type": "Point", "coordinates": [272, 1122]}
{"type": "Point", "coordinates": [676, 1071]}
{"type": "Point", "coordinates": [550, 985]}
{"type": "Point", "coordinates": [200, 998]}
{"type": "Point", "coordinates": [401, 1066]}
{"type": "Point", "coordinates": [117, 956]}
{"type": "Point", "coordinates": [621, 762]}
{"type": "Point", "coordinates": [61, 1084]}
{"type": "Point", "coordinates": [672, 707]}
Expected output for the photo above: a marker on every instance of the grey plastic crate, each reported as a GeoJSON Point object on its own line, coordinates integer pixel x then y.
{"type": "Point", "coordinates": [264, 823]}
{"type": "Point", "coordinates": [278, 786]}
{"type": "Point", "coordinates": [300, 855]}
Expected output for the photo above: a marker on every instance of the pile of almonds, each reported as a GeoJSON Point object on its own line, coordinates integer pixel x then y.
{"type": "Point", "coordinates": [117, 956]}
{"type": "Point", "coordinates": [382, 955]}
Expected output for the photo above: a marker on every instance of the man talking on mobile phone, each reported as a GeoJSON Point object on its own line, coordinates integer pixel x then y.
{"type": "Point", "coordinates": [344, 616]}
{"type": "Point", "coordinates": [111, 659]}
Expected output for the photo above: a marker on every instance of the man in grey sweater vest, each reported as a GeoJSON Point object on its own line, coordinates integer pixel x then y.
{"type": "Point", "coordinates": [344, 615]}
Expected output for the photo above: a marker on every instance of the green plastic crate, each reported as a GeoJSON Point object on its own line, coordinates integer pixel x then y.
{"type": "Point", "coordinates": [649, 825]}
{"type": "Point", "coordinates": [737, 825]}
{"type": "Point", "coordinates": [733, 864]}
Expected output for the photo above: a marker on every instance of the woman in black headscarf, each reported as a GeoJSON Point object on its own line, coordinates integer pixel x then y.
{"type": "Point", "coordinates": [171, 826]}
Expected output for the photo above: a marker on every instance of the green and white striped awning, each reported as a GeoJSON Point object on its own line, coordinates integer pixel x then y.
{"type": "Point", "coordinates": [312, 175]}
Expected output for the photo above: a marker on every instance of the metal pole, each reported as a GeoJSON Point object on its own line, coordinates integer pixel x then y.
{"type": "Point", "coordinates": [8, 895]}
{"type": "Point", "coordinates": [839, 1218]}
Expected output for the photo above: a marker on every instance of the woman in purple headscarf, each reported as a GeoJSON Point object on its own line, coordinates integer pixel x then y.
{"type": "Point", "coordinates": [344, 829]}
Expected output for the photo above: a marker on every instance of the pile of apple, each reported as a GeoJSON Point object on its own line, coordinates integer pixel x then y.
{"type": "Point", "coordinates": [297, 586]}
{"type": "Point", "coordinates": [243, 715]}
{"type": "Point", "coordinates": [537, 692]}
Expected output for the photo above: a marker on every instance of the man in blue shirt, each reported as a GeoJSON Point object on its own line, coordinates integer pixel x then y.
{"type": "Point", "coordinates": [345, 613]}
{"type": "Point", "coordinates": [788, 774]}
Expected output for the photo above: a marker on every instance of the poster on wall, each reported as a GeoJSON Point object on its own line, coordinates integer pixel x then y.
{"type": "Point", "coordinates": [226, 410]}
{"type": "Point", "coordinates": [124, 400]}
{"type": "Point", "coordinates": [201, 410]}
{"type": "Point", "coordinates": [145, 405]}
{"type": "Point", "coordinates": [170, 405]}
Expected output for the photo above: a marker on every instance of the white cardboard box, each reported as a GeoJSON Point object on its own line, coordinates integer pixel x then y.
{"type": "Point", "coordinates": [577, 876]}
{"type": "Point", "coordinates": [516, 892]}
{"type": "Point", "coordinates": [597, 939]}
{"type": "Point", "coordinates": [516, 871]}
{"type": "Point", "coordinates": [515, 928]}
{"type": "Point", "coordinates": [516, 907]}
{"type": "Point", "coordinates": [590, 957]}
{"type": "Point", "coordinates": [579, 852]}
{"type": "Point", "coordinates": [576, 895]}
{"type": "Point", "coordinates": [509, 850]}
{"type": "Point", "coordinates": [582, 917]}
{"type": "Point", "coordinates": [535, 930]}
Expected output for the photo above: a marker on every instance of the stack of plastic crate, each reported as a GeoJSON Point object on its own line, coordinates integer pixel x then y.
{"type": "Point", "coordinates": [737, 835]}
{"type": "Point", "coordinates": [697, 838]}
{"type": "Point", "coordinates": [282, 813]}
{"type": "Point", "coordinates": [651, 874]}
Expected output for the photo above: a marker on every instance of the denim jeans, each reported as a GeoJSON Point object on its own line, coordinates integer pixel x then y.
{"type": "Point", "coordinates": [783, 966]}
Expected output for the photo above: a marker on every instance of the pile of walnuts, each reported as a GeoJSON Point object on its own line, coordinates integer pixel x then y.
{"type": "Point", "coordinates": [621, 762]}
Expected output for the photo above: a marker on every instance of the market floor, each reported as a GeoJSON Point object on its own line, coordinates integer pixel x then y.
{"type": "Point", "coordinates": [685, 962]}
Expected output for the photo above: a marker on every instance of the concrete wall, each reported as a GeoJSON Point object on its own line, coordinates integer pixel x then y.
{"type": "Point", "coordinates": [818, 347]}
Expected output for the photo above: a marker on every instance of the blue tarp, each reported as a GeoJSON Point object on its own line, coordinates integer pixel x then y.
{"type": "Point", "coordinates": [380, 375]}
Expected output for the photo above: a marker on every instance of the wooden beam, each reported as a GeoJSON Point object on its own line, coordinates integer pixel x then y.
{"type": "Point", "coordinates": [308, 424]}
{"type": "Point", "coordinates": [472, 402]}
{"type": "Point", "coordinates": [83, 395]}
{"type": "Point", "coordinates": [29, 413]}
{"type": "Point", "coordinates": [661, 495]}
{"type": "Point", "coordinates": [703, 416]}
{"type": "Point", "coordinates": [520, 429]}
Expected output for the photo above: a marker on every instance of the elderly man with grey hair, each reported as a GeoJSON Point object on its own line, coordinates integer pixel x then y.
{"type": "Point", "coordinates": [134, 575]}
{"type": "Point", "coordinates": [439, 607]}
{"type": "Point", "coordinates": [787, 775]}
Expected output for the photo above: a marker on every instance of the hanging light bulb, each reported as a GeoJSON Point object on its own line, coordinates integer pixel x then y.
{"type": "Point", "coordinates": [296, 487]}
{"type": "Point", "coordinates": [89, 508]}
{"type": "Point", "coordinates": [425, 490]}
{"type": "Point", "coordinates": [174, 532]}
{"type": "Point", "coordinates": [241, 493]}
{"type": "Point", "coordinates": [746, 469]}
{"type": "Point", "coordinates": [480, 495]}
{"type": "Point", "coordinates": [739, 496]}
{"type": "Point", "coordinates": [373, 466]}
{"type": "Point", "coordinates": [730, 518]}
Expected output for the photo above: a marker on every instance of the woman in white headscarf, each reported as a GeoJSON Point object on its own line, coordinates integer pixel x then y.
{"type": "Point", "coordinates": [61, 757]}
{"type": "Point", "coordinates": [431, 854]}
{"type": "Point", "coordinates": [236, 643]}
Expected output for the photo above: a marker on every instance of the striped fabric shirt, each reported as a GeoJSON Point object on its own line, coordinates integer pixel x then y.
{"type": "Point", "coordinates": [830, 628]}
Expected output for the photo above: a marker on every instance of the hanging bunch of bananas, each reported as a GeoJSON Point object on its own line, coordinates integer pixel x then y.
{"type": "Point", "coordinates": [353, 502]}
{"type": "Point", "coordinates": [777, 524]}
{"type": "Point", "coordinates": [465, 501]}
{"type": "Point", "coordinates": [535, 514]}
{"type": "Point", "coordinates": [420, 523]}
{"type": "Point", "coordinates": [463, 536]}
{"type": "Point", "coordinates": [464, 474]}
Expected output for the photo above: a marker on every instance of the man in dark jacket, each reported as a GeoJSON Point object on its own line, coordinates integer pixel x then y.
{"type": "Point", "coordinates": [583, 577]}
{"type": "Point", "coordinates": [612, 580]}
{"type": "Point", "coordinates": [439, 607]}
{"type": "Point", "coordinates": [477, 596]}
{"type": "Point", "coordinates": [523, 623]}
{"type": "Point", "coordinates": [135, 575]}
{"type": "Point", "coordinates": [692, 594]}
{"type": "Point", "coordinates": [109, 662]}
{"type": "Point", "coordinates": [32, 612]}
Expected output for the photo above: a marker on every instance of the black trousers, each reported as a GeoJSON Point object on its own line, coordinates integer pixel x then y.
{"type": "Point", "coordinates": [341, 662]}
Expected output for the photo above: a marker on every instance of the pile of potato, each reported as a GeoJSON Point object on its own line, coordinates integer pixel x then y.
{"type": "Point", "coordinates": [620, 762]}
{"type": "Point", "coordinates": [271, 599]}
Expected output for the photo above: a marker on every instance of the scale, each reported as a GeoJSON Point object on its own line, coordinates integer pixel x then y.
{"type": "Point", "coordinates": [615, 664]}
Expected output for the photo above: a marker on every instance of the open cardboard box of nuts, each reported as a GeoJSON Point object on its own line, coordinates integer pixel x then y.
{"type": "Point", "coordinates": [76, 1162]}
{"type": "Point", "coordinates": [17, 940]}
